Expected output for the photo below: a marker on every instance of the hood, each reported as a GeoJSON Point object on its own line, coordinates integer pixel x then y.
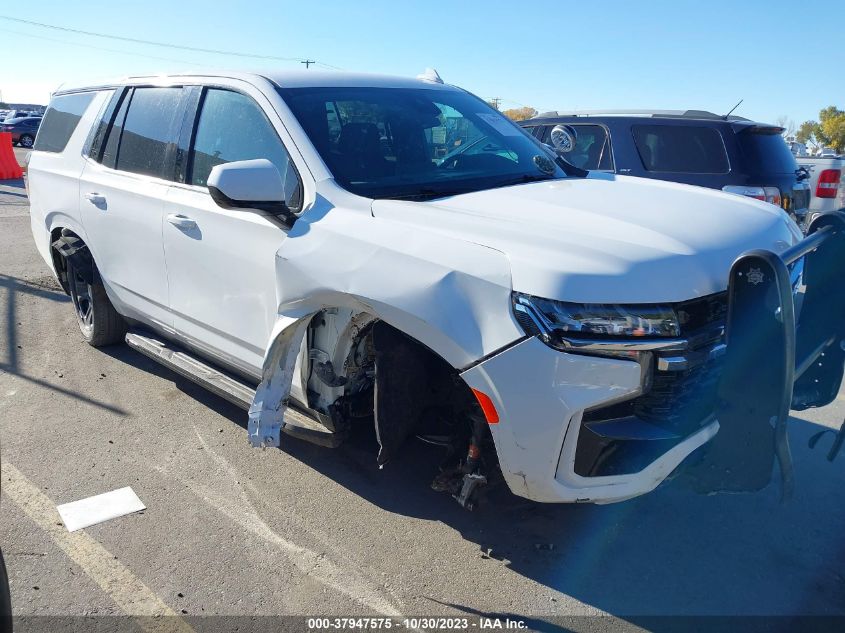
{"type": "Point", "coordinates": [607, 238]}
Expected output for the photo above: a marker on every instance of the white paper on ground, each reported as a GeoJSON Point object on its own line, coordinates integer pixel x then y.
{"type": "Point", "coordinates": [110, 505]}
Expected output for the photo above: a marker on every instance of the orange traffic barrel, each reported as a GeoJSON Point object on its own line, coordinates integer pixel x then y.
{"type": "Point", "coordinates": [9, 167]}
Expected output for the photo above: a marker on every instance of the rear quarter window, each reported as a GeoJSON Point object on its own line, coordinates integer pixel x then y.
{"type": "Point", "coordinates": [765, 151]}
{"type": "Point", "coordinates": [60, 121]}
{"type": "Point", "coordinates": [681, 149]}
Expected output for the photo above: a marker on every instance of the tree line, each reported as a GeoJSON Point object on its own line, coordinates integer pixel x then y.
{"type": "Point", "coordinates": [828, 131]}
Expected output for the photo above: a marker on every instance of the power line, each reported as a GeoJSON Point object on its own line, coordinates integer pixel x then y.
{"type": "Point", "coordinates": [133, 40]}
{"type": "Point", "coordinates": [517, 103]}
{"type": "Point", "coordinates": [100, 48]}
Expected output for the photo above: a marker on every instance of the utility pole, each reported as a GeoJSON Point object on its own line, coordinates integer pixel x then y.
{"type": "Point", "coordinates": [308, 63]}
{"type": "Point", "coordinates": [495, 101]}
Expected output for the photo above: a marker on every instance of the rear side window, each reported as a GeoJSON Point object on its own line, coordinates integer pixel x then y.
{"type": "Point", "coordinates": [151, 125]}
{"type": "Point", "coordinates": [61, 120]}
{"type": "Point", "coordinates": [233, 127]}
{"type": "Point", "coordinates": [765, 151]}
{"type": "Point", "coordinates": [681, 149]}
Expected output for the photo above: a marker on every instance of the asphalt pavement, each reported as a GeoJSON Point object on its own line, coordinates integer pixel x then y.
{"type": "Point", "coordinates": [232, 530]}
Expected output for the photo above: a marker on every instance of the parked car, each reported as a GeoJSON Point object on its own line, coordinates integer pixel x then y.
{"type": "Point", "coordinates": [23, 130]}
{"type": "Point", "coordinates": [798, 149]}
{"type": "Point", "coordinates": [311, 246]}
{"type": "Point", "coordinates": [19, 114]}
{"type": "Point", "coordinates": [693, 147]}
{"type": "Point", "coordinates": [826, 182]}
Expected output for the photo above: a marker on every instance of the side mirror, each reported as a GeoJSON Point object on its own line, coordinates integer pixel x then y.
{"type": "Point", "coordinates": [563, 138]}
{"type": "Point", "coordinates": [250, 184]}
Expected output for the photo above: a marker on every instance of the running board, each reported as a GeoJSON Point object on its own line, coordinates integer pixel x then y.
{"type": "Point", "coordinates": [297, 424]}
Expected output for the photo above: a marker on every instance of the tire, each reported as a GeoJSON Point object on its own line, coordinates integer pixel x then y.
{"type": "Point", "coordinates": [5, 599]}
{"type": "Point", "coordinates": [26, 140]}
{"type": "Point", "coordinates": [98, 321]}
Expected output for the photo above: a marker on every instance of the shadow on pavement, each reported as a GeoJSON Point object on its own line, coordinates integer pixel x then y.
{"type": "Point", "coordinates": [42, 289]}
{"type": "Point", "coordinates": [671, 552]}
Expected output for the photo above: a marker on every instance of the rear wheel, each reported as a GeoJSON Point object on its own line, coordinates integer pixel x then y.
{"type": "Point", "coordinates": [26, 140]}
{"type": "Point", "coordinates": [98, 321]}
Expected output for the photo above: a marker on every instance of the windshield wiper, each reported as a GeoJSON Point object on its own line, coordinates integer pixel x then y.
{"type": "Point", "coordinates": [524, 179]}
{"type": "Point", "coordinates": [428, 194]}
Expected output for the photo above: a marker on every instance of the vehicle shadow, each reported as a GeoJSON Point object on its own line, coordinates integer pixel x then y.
{"type": "Point", "coordinates": [669, 553]}
{"type": "Point", "coordinates": [12, 289]}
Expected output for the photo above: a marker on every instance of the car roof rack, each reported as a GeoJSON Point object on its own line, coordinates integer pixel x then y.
{"type": "Point", "coordinates": [681, 114]}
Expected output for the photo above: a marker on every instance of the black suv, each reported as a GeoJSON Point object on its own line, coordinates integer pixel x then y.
{"type": "Point", "coordinates": [692, 147]}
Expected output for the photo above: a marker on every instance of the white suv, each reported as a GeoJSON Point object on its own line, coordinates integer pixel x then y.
{"type": "Point", "coordinates": [338, 249]}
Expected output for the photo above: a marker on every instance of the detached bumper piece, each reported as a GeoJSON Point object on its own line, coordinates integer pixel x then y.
{"type": "Point", "coordinates": [784, 350]}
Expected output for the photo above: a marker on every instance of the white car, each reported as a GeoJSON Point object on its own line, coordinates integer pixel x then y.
{"type": "Point", "coordinates": [339, 249]}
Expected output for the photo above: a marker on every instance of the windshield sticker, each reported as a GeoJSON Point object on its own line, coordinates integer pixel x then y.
{"type": "Point", "coordinates": [501, 125]}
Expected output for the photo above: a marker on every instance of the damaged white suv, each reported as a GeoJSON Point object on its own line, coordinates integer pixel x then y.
{"type": "Point", "coordinates": [329, 250]}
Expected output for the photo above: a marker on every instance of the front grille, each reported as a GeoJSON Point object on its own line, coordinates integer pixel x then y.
{"type": "Point", "coordinates": [702, 313]}
{"type": "Point", "coordinates": [680, 401]}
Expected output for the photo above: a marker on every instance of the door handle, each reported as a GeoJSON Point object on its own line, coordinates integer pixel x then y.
{"type": "Point", "coordinates": [98, 200]}
{"type": "Point", "coordinates": [181, 221]}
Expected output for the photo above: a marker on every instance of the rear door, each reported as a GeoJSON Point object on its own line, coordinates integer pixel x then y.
{"type": "Point", "coordinates": [221, 262]}
{"type": "Point", "coordinates": [122, 193]}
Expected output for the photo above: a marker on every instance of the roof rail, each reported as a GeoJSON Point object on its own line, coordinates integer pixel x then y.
{"type": "Point", "coordinates": [685, 114]}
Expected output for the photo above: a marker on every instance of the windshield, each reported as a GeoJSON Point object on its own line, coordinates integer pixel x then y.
{"type": "Point", "coordinates": [416, 143]}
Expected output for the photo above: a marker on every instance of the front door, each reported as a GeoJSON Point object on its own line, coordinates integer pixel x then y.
{"type": "Point", "coordinates": [221, 262]}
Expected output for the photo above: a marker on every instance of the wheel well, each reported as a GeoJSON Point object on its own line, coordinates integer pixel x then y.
{"type": "Point", "coordinates": [59, 262]}
{"type": "Point", "coordinates": [361, 368]}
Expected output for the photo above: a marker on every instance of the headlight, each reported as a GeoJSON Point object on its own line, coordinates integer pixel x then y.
{"type": "Point", "coordinates": [558, 319]}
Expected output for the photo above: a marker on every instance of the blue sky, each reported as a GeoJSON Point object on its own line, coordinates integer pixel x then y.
{"type": "Point", "coordinates": [780, 57]}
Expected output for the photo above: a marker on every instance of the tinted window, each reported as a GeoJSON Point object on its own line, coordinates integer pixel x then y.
{"type": "Point", "coordinates": [98, 132]}
{"type": "Point", "coordinates": [233, 127]}
{"type": "Point", "coordinates": [592, 148]}
{"type": "Point", "coordinates": [765, 151]}
{"type": "Point", "coordinates": [113, 138]}
{"type": "Point", "coordinates": [61, 120]}
{"type": "Point", "coordinates": [150, 126]}
{"type": "Point", "coordinates": [681, 149]}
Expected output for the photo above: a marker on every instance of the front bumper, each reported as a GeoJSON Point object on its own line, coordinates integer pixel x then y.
{"type": "Point", "coordinates": [541, 396]}
{"type": "Point", "coordinates": [780, 350]}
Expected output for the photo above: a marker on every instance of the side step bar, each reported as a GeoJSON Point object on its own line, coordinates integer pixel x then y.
{"type": "Point", "coordinates": [297, 424]}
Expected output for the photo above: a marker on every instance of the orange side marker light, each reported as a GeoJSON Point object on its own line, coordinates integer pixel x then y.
{"type": "Point", "coordinates": [490, 413]}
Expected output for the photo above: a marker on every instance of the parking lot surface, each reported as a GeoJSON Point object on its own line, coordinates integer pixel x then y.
{"type": "Point", "coordinates": [232, 530]}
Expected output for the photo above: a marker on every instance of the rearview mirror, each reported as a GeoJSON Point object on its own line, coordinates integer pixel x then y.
{"type": "Point", "coordinates": [250, 184]}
